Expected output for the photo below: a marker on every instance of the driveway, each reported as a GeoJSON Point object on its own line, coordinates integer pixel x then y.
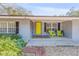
{"type": "Point", "coordinates": [51, 51]}
{"type": "Point", "coordinates": [62, 51]}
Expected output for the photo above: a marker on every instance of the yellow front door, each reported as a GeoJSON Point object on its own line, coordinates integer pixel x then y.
{"type": "Point", "coordinates": [38, 28]}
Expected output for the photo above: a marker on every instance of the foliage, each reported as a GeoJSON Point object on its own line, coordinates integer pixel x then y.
{"type": "Point", "coordinates": [11, 45]}
{"type": "Point", "coordinates": [73, 12]}
{"type": "Point", "coordinates": [59, 33]}
{"type": "Point", "coordinates": [13, 10]}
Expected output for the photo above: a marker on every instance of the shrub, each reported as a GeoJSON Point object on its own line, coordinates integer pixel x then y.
{"type": "Point", "coordinates": [11, 45]}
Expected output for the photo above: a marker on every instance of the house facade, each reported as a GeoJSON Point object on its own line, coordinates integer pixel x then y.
{"type": "Point", "coordinates": [34, 27]}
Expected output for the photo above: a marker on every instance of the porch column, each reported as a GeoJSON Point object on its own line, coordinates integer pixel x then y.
{"type": "Point", "coordinates": [25, 30]}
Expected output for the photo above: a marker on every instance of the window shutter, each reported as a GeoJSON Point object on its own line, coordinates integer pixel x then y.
{"type": "Point", "coordinates": [44, 27]}
{"type": "Point", "coordinates": [58, 26]}
{"type": "Point", "coordinates": [17, 27]}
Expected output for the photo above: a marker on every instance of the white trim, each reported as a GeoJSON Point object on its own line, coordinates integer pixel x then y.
{"type": "Point", "coordinates": [52, 18]}
{"type": "Point", "coordinates": [46, 18]}
{"type": "Point", "coordinates": [7, 27]}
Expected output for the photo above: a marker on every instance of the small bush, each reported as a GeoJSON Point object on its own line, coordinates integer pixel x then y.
{"type": "Point", "coordinates": [11, 45]}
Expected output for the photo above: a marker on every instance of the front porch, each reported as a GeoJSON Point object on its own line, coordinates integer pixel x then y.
{"type": "Point", "coordinates": [40, 35]}
{"type": "Point", "coordinates": [51, 28]}
{"type": "Point", "coordinates": [55, 41]}
{"type": "Point", "coordinates": [45, 29]}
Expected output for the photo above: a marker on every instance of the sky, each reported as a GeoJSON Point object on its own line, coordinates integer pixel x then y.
{"type": "Point", "coordinates": [49, 9]}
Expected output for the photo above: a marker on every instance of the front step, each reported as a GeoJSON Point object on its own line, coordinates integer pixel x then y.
{"type": "Point", "coordinates": [50, 43]}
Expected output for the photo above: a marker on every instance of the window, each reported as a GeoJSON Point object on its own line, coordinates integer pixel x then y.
{"type": "Point", "coordinates": [51, 26]}
{"type": "Point", "coordinates": [11, 27]}
{"type": "Point", "coordinates": [3, 27]}
{"type": "Point", "coordinates": [7, 27]}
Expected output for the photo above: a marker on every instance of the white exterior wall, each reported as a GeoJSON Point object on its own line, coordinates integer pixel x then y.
{"type": "Point", "coordinates": [24, 29]}
{"type": "Point", "coordinates": [75, 30]}
{"type": "Point", "coordinates": [67, 28]}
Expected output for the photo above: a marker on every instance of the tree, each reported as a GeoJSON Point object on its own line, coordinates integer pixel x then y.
{"type": "Point", "coordinates": [12, 10]}
{"type": "Point", "coordinates": [73, 12]}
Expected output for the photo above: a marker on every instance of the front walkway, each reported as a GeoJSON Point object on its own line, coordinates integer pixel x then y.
{"type": "Point", "coordinates": [56, 41]}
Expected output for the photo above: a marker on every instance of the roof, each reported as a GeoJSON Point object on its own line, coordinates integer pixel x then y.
{"type": "Point", "coordinates": [40, 17]}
